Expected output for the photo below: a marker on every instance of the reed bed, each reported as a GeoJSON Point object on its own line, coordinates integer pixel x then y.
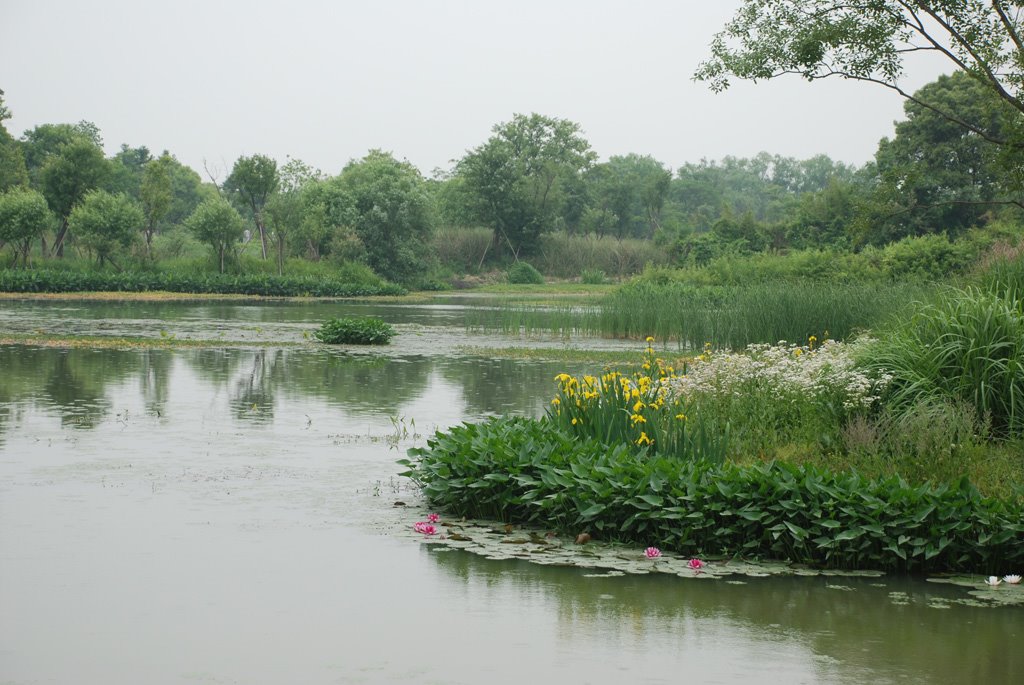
{"type": "Point", "coordinates": [725, 316]}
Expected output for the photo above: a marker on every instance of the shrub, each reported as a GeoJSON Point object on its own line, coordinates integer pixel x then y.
{"type": "Point", "coordinates": [68, 281]}
{"type": "Point", "coordinates": [524, 273]}
{"type": "Point", "coordinates": [355, 331]}
{"type": "Point", "coordinates": [593, 277]}
{"type": "Point", "coordinates": [567, 256]}
{"type": "Point", "coordinates": [527, 470]}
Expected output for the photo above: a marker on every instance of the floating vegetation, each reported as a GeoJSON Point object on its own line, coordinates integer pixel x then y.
{"type": "Point", "coordinates": [496, 540]}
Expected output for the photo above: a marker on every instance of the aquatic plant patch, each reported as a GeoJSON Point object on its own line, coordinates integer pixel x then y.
{"type": "Point", "coordinates": [355, 330]}
{"type": "Point", "coordinates": [637, 410]}
{"type": "Point", "coordinates": [530, 471]}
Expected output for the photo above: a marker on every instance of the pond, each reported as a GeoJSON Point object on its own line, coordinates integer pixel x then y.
{"type": "Point", "coordinates": [229, 516]}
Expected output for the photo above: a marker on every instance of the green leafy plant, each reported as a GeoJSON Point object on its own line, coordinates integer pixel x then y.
{"type": "Point", "coordinates": [531, 471]}
{"type": "Point", "coordinates": [67, 281]}
{"type": "Point", "coordinates": [355, 331]}
{"type": "Point", "coordinates": [524, 273]}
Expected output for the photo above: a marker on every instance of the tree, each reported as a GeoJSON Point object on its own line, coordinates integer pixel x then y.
{"type": "Point", "coordinates": [43, 141]}
{"type": "Point", "coordinates": [217, 223]}
{"type": "Point", "coordinates": [629, 192]}
{"type": "Point", "coordinates": [869, 40]}
{"type": "Point", "coordinates": [24, 216]}
{"type": "Point", "coordinates": [518, 181]}
{"type": "Point", "coordinates": [104, 222]}
{"type": "Point", "coordinates": [387, 204]}
{"type": "Point", "coordinates": [285, 209]}
{"type": "Point", "coordinates": [78, 167]}
{"type": "Point", "coordinates": [255, 179]}
{"type": "Point", "coordinates": [156, 195]}
{"type": "Point", "coordinates": [13, 171]}
{"type": "Point", "coordinates": [947, 173]}
{"type": "Point", "coordinates": [126, 170]}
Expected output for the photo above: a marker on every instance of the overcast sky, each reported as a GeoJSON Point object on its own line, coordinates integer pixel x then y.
{"type": "Point", "coordinates": [327, 80]}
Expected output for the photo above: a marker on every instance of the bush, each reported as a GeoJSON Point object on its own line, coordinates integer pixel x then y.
{"type": "Point", "coordinates": [355, 331]}
{"type": "Point", "coordinates": [593, 277]}
{"type": "Point", "coordinates": [529, 471]}
{"type": "Point", "coordinates": [66, 281]}
{"type": "Point", "coordinates": [524, 273]}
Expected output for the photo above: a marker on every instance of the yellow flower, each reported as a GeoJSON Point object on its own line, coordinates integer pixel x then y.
{"type": "Point", "coordinates": [650, 338]}
{"type": "Point", "coordinates": [562, 377]}
{"type": "Point", "coordinates": [638, 406]}
{"type": "Point", "coordinates": [637, 418]}
{"type": "Point", "coordinates": [643, 439]}
{"type": "Point", "coordinates": [681, 417]}
{"type": "Point", "coordinates": [556, 401]}
{"type": "Point", "coordinates": [575, 421]}
{"type": "Point", "coordinates": [635, 393]}
{"type": "Point", "coordinates": [797, 352]}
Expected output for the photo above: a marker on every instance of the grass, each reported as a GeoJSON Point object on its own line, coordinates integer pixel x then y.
{"type": "Point", "coordinates": [726, 317]}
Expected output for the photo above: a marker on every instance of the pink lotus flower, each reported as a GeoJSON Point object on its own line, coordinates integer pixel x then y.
{"type": "Point", "coordinates": [695, 564]}
{"type": "Point", "coordinates": [652, 552]}
{"type": "Point", "coordinates": [419, 526]}
{"type": "Point", "coordinates": [429, 529]}
{"type": "Point", "coordinates": [433, 518]}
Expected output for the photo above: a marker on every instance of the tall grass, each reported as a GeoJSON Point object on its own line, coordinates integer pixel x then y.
{"type": "Point", "coordinates": [562, 255]}
{"type": "Point", "coordinates": [726, 317]}
{"type": "Point", "coordinates": [968, 347]}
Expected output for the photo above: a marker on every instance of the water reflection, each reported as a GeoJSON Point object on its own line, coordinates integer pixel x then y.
{"type": "Point", "coordinates": [79, 384]}
{"type": "Point", "coordinates": [839, 629]}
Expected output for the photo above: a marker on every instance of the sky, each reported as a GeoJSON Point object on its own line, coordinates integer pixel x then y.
{"type": "Point", "coordinates": [327, 80]}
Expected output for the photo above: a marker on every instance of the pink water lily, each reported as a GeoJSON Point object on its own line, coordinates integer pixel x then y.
{"type": "Point", "coordinates": [652, 552]}
{"type": "Point", "coordinates": [419, 526]}
{"type": "Point", "coordinates": [433, 518]}
{"type": "Point", "coordinates": [429, 529]}
{"type": "Point", "coordinates": [695, 564]}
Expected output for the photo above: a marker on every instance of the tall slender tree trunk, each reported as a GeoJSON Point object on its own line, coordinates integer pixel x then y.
{"type": "Point", "coordinates": [58, 242]}
{"type": "Point", "coordinates": [263, 232]}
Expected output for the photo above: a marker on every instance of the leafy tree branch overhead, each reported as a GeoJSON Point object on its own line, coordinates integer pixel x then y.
{"type": "Point", "coordinates": [870, 41]}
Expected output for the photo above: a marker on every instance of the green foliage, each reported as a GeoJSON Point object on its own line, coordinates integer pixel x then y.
{"type": "Point", "coordinates": [66, 281]}
{"type": "Point", "coordinates": [24, 216]}
{"type": "Point", "coordinates": [944, 171]}
{"type": "Point", "coordinates": [351, 330]}
{"type": "Point", "coordinates": [255, 179]}
{"type": "Point", "coordinates": [529, 471]}
{"type": "Point", "coordinates": [969, 347]}
{"type": "Point", "coordinates": [71, 172]}
{"type": "Point", "coordinates": [929, 257]}
{"type": "Point", "coordinates": [523, 273]}
{"type": "Point", "coordinates": [104, 222]}
{"type": "Point", "coordinates": [156, 194]}
{"type": "Point", "coordinates": [386, 203]}
{"type": "Point", "coordinates": [217, 224]}
{"type": "Point", "coordinates": [593, 277]}
{"type": "Point", "coordinates": [521, 179]}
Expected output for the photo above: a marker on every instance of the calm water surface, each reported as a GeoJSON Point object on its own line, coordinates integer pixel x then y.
{"type": "Point", "coordinates": [226, 516]}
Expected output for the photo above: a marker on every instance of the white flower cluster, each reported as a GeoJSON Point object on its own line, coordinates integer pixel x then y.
{"type": "Point", "coordinates": [784, 372]}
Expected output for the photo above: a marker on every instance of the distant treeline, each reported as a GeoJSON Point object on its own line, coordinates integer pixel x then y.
{"type": "Point", "coordinates": [531, 191]}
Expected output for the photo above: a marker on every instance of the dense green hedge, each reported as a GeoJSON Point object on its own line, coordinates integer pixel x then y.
{"type": "Point", "coordinates": [52, 281]}
{"type": "Point", "coordinates": [526, 470]}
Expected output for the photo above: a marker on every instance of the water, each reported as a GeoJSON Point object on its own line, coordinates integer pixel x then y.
{"type": "Point", "coordinates": [228, 516]}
